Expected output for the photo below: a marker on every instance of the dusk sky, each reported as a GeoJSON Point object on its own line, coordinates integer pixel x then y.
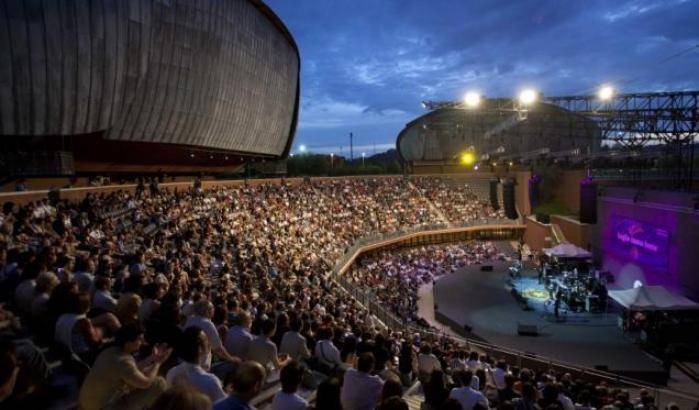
{"type": "Point", "coordinates": [367, 64]}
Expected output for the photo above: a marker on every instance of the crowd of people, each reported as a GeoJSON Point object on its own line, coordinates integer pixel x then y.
{"type": "Point", "coordinates": [459, 201]}
{"type": "Point", "coordinates": [203, 298]}
{"type": "Point", "coordinates": [396, 276]}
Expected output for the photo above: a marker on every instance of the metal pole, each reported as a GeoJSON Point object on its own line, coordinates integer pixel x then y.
{"type": "Point", "coordinates": [351, 147]}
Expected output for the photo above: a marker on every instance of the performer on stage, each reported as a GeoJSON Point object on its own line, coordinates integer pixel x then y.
{"type": "Point", "coordinates": [557, 304]}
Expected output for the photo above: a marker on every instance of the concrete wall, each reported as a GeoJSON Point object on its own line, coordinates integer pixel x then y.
{"type": "Point", "coordinates": [536, 234]}
{"type": "Point", "coordinates": [577, 233]}
{"type": "Point", "coordinates": [212, 73]}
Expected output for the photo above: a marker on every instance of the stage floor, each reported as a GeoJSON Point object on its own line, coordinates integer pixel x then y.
{"type": "Point", "coordinates": [483, 301]}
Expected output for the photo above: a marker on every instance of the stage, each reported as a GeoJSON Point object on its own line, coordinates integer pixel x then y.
{"type": "Point", "coordinates": [482, 300]}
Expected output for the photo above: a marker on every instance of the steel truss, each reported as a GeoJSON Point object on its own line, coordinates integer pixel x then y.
{"type": "Point", "coordinates": [634, 121]}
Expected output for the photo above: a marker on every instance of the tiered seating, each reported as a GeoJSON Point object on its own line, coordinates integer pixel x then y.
{"type": "Point", "coordinates": [81, 275]}
{"type": "Point", "coordinates": [461, 201]}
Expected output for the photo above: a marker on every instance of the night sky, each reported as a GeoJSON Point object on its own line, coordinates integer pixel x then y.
{"type": "Point", "coordinates": [367, 64]}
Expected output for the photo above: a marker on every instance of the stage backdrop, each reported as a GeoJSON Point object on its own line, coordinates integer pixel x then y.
{"type": "Point", "coordinates": [653, 239]}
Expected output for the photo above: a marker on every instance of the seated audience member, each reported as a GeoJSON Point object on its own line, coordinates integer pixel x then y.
{"type": "Point", "coordinates": [263, 350]}
{"type": "Point", "coordinates": [499, 374]}
{"type": "Point", "coordinates": [293, 344]}
{"type": "Point", "coordinates": [407, 363]}
{"type": "Point", "coordinates": [247, 383]}
{"type": "Point", "coordinates": [360, 389]}
{"type": "Point", "coordinates": [238, 338]}
{"type": "Point", "coordinates": [427, 363]}
{"type": "Point", "coordinates": [528, 401]}
{"type": "Point", "coordinates": [182, 398]}
{"type": "Point", "coordinates": [103, 299]}
{"type": "Point", "coordinates": [127, 308]}
{"type": "Point", "coordinates": [328, 395]}
{"type": "Point", "coordinates": [394, 403]}
{"type": "Point", "coordinates": [287, 399]}
{"type": "Point", "coordinates": [435, 390]}
{"type": "Point", "coordinates": [9, 370]}
{"type": "Point", "coordinates": [325, 351]}
{"type": "Point", "coordinates": [508, 393]}
{"type": "Point", "coordinates": [203, 312]}
{"type": "Point", "coordinates": [116, 381]}
{"type": "Point", "coordinates": [45, 283]}
{"type": "Point", "coordinates": [192, 350]}
{"type": "Point", "coordinates": [78, 333]}
{"type": "Point", "coordinates": [467, 396]}
{"type": "Point", "coordinates": [391, 388]}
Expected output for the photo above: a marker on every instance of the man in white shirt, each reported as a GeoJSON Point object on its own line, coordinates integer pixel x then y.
{"type": "Point", "coordinates": [467, 396]}
{"type": "Point", "coordinates": [499, 374]}
{"type": "Point", "coordinates": [263, 350]}
{"type": "Point", "coordinates": [287, 399]}
{"type": "Point", "coordinates": [360, 389]}
{"type": "Point", "coordinates": [203, 312]}
{"type": "Point", "coordinates": [293, 343]}
{"type": "Point", "coordinates": [427, 363]}
{"type": "Point", "coordinates": [189, 372]}
{"type": "Point", "coordinates": [238, 338]}
{"type": "Point", "coordinates": [325, 350]}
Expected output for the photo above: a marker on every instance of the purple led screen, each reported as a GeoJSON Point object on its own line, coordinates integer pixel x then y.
{"type": "Point", "coordinates": [639, 241]}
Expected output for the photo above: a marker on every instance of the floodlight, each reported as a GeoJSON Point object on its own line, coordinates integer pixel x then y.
{"type": "Point", "coordinates": [527, 96]}
{"type": "Point", "coordinates": [472, 99]}
{"type": "Point", "coordinates": [302, 148]}
{"type": "Point", "coordinates": [606, 92]}
{"type": "Point", "coordinates": [467, 158]}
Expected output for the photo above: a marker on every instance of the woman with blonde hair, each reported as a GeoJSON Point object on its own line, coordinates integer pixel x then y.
{"type": "Point", "coordinates": [127, 308]}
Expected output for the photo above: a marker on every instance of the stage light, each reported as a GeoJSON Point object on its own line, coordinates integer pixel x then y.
{"type": "Point", "coordinates": [472, 99]}
{"type": "Point", "coordinates": [302, 148]}
{"type": "Point", "coordinates": [527, 96]}
{"type": "Point", "coordinates": [467, 158]}
{"type": "Point", "coordinates": [606, 93]}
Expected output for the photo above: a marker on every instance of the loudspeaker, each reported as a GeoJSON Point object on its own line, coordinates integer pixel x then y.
{"type": "Point", "coordinates": [527, 329]}
{"type": "Point", "coordinates": [508, 199]}
{"type": "Point", "coordinates": [494, 194]}
{"type": "Point", "coordinates": [487, 268]}
{"type": "Point", "coordinates": [588, 202]}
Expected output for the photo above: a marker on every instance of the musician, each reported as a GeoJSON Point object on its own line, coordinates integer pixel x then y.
{"type": "Point", "coordinates": [557, 304]}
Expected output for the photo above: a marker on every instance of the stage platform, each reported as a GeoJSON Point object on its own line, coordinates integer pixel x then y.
{"type": "Point", "coordinates": [482, 300]}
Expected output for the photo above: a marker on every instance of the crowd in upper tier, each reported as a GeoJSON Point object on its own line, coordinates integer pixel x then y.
{"type": "Point", "coordinates": [203, 298]}
{"type": "Point", "coordinates": [459, 202]}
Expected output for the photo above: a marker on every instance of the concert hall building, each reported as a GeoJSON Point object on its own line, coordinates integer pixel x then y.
{"type": "Point", "coordinates": [144, 86]}
{"type": "Point", "coordinates": [494, 132]}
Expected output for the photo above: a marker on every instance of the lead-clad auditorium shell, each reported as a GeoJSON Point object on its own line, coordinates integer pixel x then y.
{"type": "Point", "coordinates": [215, 74]}
{"type": "Point", "coordinates": [442, 134]}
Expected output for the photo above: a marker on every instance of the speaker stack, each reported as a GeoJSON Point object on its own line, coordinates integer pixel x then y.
{"type": "Point", "coordinates": [588, 202]}
{"type": "Point", "coordinates": [508, 199]}
{"type": "Point", "coordinates": [494, 194]}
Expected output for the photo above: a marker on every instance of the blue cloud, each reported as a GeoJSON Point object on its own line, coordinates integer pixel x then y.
{"type": "Point", "coordinates": [367, 64]}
